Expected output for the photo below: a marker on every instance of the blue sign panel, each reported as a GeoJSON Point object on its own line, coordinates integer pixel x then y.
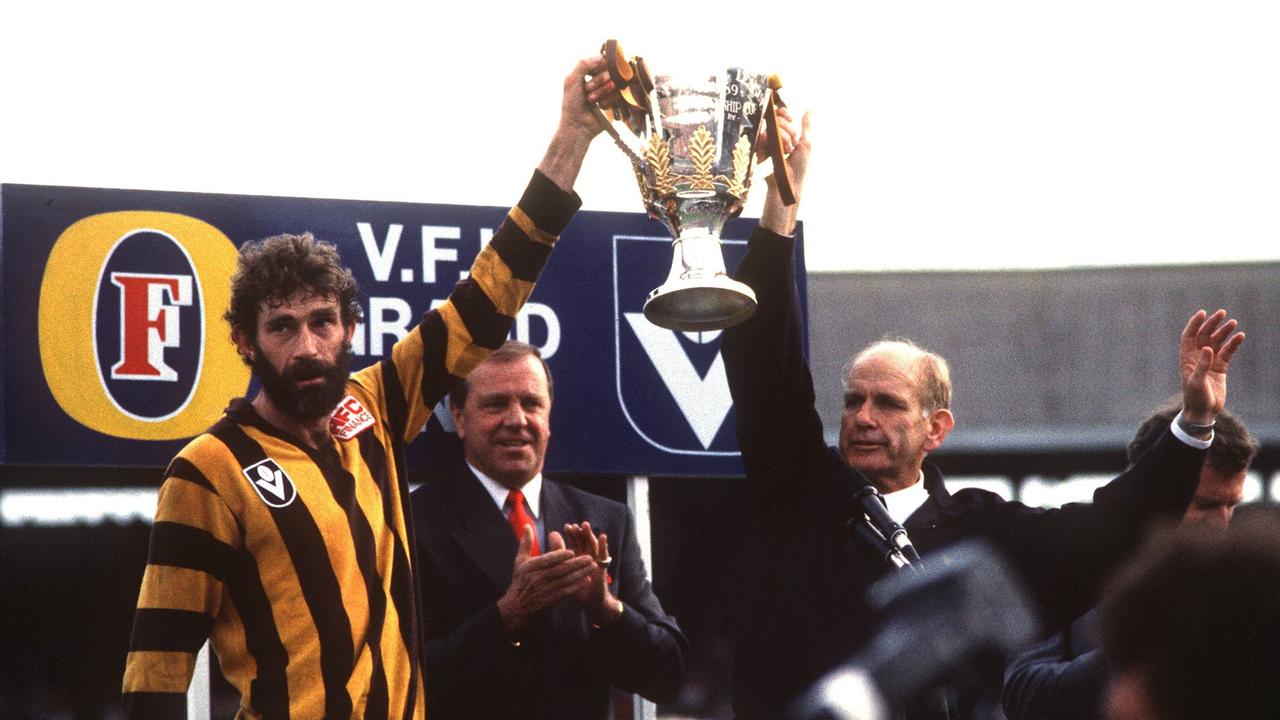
{"type": "Point", "coordinates": [115, 350]}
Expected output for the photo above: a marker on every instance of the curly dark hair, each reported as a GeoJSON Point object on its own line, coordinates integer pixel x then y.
{"type": "Point", "coordinates": [272, 270]}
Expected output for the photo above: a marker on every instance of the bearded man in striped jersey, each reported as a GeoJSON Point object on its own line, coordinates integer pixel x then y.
{"type": "Point", "coordinates": [281, 533]}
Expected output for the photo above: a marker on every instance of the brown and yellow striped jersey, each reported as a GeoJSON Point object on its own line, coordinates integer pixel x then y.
{"type": "Point", "coordinates": [297, 564]}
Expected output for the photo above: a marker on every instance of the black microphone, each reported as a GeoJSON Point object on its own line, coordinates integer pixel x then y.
{"type": "Point", "coordinates": [867, 533]}
{"type": "Point", "coordinates": [872, 505]}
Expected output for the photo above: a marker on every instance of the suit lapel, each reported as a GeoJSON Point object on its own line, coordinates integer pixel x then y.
{"type": "Point", "coordinates": [482, 531]}
{"type": "Point", "coordinates": [940, 504]}
{"type": "Point", "coordinates": [555, 509]}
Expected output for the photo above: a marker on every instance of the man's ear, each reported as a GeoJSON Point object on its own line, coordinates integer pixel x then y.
{"type": "Point", "coordinates": [244, 345]}
{"type": "Point", "coordinates": [941, 422]}
{"type": "Point", "coordinates": [351, 331]}
{"type": "Point", "coordinates": [457, 419]}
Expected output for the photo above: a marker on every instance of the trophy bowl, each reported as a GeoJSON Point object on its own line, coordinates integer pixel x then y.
{"type": "Point", "coordinates": [691, 140]}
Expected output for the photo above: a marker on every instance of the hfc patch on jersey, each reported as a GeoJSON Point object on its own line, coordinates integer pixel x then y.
{"type": "Point", "coordinates": [350, 419]}
{"type": "Point", "coordinates": [272, 484]}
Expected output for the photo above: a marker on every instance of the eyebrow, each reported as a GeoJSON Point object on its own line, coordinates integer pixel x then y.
{"type": "Point", "coordinates": [879, 395]}
{"type": "Point", "coordinates": [1233, 500]}
{"type": "Point", "coordinates": [318, 313]}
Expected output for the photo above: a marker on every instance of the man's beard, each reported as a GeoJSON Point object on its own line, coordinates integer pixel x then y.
{"type": "Point", "coordinates": [307, 402]}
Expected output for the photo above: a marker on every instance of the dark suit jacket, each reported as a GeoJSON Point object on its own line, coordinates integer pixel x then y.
{"type": "Point", "coordinates": [805, 607]}
{"type": "Point", "coordinates": [1062, 678]}
{"type": "Point", "coordinates": [563, 667]}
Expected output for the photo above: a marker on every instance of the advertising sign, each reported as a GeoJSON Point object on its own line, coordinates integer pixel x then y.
{"type": "Point", "coordinates": [116, 352]}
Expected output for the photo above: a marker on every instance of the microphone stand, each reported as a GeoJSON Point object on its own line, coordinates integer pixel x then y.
{"type": "Point", "coordinates": [872, 523]}
{"type": "Point", "coordinates": [862, 527]}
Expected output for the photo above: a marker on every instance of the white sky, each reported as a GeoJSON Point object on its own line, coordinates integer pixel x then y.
{"type": "Point", "coordinates": [950, 134]}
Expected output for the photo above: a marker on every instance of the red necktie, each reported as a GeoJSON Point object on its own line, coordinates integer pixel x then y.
{"type": "Point", "coordinates": [519, 518]}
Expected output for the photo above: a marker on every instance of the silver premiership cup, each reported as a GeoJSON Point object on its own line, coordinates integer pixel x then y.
{"type": "Point", "coordinates": [691, 143]}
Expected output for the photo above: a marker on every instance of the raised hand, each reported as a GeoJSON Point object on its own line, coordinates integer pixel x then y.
{"type": "Point", "coordinates": [578, 123]}
{"type": "Point", "coordinates": [601, 606]}
{"type": "Point", "coordinates": [788, 132]}
{"type": "Point", "coordinates": [575, 108]}
{"type": "Point", "coordinates": [1208, 343]}
{"type": "Point", "coordinates": [777, 216]}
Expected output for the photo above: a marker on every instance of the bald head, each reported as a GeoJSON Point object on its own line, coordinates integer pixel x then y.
{"type": "Point", "coordinates": [930, 370]}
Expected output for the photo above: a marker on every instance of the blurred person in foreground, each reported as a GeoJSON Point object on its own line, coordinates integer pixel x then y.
{"type": "Point", "coordinates": [1191, 629]}
{"type": "Point", "coordinates": [515, 625]}
{"type": "Point", "coordinates": [1064, 677]}
{"type": "Point", "coordinates": [282, 533]}
{"type": "Point", "coordinates": [806, 610]}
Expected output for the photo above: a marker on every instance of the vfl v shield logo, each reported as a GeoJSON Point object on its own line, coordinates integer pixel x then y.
{"type": "Point", "coordinates": [272, 484]}
{"type": "Point", "coordinates": [671, 385]}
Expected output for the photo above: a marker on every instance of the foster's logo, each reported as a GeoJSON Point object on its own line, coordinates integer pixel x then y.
{"type": "Point", "coordinates": [127, 305]}
{"type": "Point", "coordinates": [148, 326]}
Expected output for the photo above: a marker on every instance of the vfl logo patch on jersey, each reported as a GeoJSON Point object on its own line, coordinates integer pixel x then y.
{"type": "Point", "coordinates": [272, 484]}
{"type": "Point", "coordinates": [350, 419]}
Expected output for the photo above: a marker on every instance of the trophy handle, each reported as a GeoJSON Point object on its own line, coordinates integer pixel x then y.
{"type": "Point", "coordinates": [697, 134]}
{"type": "Point", "coordinates": [633, 81]}
{"type": "Point", "coordinates": [608, 127]}
{"type": "Point", "coordinates": [781, 170]}
{"type": "Point", "coordinates": [616, 63]}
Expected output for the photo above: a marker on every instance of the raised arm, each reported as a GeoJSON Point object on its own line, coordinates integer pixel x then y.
{"type": "Point", "coordinates": [1066, 553]}
{"type": "Point", "coordinates": [778, 427]}
{"type": "Point", "coordinates": [474, 321]}
{"type": "Point", "coordinates": [1208, 343]}
{"type": "Point", "coordinates": [578, 125]}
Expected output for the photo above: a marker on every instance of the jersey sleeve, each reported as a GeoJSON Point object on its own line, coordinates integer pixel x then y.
{"type": "Point", "coordinates": [193, 542]}
{"type": "Point", "coordinates": [455, 337]}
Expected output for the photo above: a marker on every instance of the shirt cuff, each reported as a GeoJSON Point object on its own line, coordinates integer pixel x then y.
{"type": "Point", "coordinates": [547, 205]}
{"type": "Point", "coordinates": [763, 232]}
{"type": "Point", "coordinates": [614, 627]}
{"type": "Point", "coordinates": [1194, 442]}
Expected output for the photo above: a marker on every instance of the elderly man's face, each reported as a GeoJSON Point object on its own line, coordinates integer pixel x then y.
{"type": "Point", "coordinates": [885, 430]}
{"type": "Point", "coordinates": [506, 421]}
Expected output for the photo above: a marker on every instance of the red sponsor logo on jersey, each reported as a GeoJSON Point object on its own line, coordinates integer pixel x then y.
{"type": "Point", "coordinates": [350, 419]}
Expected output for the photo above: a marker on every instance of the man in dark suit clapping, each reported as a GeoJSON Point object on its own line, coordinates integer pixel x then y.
{"type": "Point", "coordinates": [535, 597]}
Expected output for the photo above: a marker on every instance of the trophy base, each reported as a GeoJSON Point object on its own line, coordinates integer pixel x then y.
{"type": "Point", "coordinates": [699, 305]}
